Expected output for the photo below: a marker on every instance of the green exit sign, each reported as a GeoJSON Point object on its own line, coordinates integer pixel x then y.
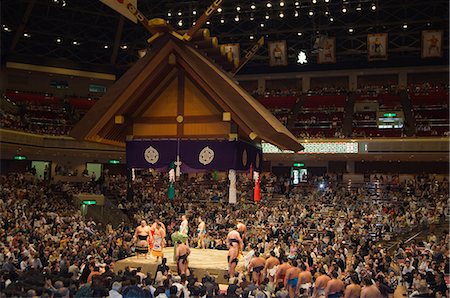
{"type": "Point", "coordinates": [20, 157]}
{"type": "Point", "coordinates": [114, 161]}
{"type": "Point", "coordinates": [299, 165]}
{"type": "Point", "coordinates": [89, 202]}
{"type": "Point", "coordinates": [390, 115]}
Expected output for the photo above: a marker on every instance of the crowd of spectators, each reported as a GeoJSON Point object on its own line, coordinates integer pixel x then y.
{"type": "Point", "coordinates": [58, 120]}
{"type": "Point", "coordinates": [24, 121]}
{"type": "Point", "coordinates": [48, 249]}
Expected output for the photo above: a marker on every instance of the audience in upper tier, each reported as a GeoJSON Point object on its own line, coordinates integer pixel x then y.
{"type": "Point", "coordinates": [431, 119]}
{"type": "Point", "coordinates": [48, 249]}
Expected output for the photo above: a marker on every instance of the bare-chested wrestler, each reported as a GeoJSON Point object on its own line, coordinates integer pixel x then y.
{"type": "Point", "coordinates": [153, 229]}
{"type": "Point", "coordinates": [201, 232]}
{"type": "Point", "coordinates": [271, 266]}
{"type": "Point", "coordinates": [241, 228]}
{"type": "Point", "coordinates": [156, 221]}
{"type": "Point", "coordinates": [353, 290]}
{"type": "Point", "coordinates": [235, 245]}
{"type": "Point", "coordinates": [233, 238]}
{"type": "Point", "coordinates": [304, 284]}
{"type": "Point", "coordinates": [141, 237]}
{"type": "Point", "coordinates": [184, 228]}
{"type": "Point", "coordinates": [370, 290]}
{"type": "Point", "coordinates": [291, 279]}
{"type": "Point", "coordinates": [320, 285]}
{"type": "Point", "coordinates": [183, 252]}
{"type": "Point", "coordinates": [158, 241]}
{"type": "Point", "coordinates": [281, 271]}
{"type": "Point", "coordinates": [256, 267]}
{"type": "Point", "coordinates": [335, 287]}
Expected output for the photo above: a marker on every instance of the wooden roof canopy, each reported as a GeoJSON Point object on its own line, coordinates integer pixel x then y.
{"type": "Point", "coordinates": [180, 90]}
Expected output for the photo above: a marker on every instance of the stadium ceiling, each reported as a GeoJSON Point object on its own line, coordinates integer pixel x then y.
{"type": "Point", "coordinates": [86, 34]}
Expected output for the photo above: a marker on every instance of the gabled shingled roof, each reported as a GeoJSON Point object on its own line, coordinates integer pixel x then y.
{"type": "Point", "coordinates": [125, 96]}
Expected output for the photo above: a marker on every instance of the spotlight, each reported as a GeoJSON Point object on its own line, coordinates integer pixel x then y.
{"type": "Point", "coordinates": [344, 10]}
{"type": "Point", "coordinates": [6, 28]}
{"type": "Point", "coordinates": [238, 8]}
{"type": "Point", "coordinates": [253, 6]}
{"type": "Point", "coordinates": [252, 37]}
{"type": "Point", "coordinates": [311, 13]}
{"type": "Point", "coordinates": [106, 46]}
{"type": "Point", "coordinates": [58, 40]}
{"type": "Point", "coordinates": [267, 17]}
{"type": "Point", "coordinates": [314, 1]}
{"type": "Point", "coordinates": [269, 5]}
{"type": "Point", "coordinates": [208, 22]}
{"type": "Point", "coordinates": [405, 26]}
{"type": "Point", "coordinates": [169, 14]}
{"type": "Point", "coordinates": [180, 13]}
{"type": "Point", "coordinates": [75, 43]}
{"type": "Point", "coordinates": [236, 18]}
{"type": "Point", "coordinates": [281, 3]}
{"type": "Point", "coordinates": [374, 7]}
{"type": "Point", "coordinates": [296, 13]}
{"type": "Point", "coordinates": [222, 21]}
{"type": "Point", "coordinates": [261, 25]}
{"type": "Point", "coordinates": [326, 1]}
{"type": "Point", "coordinates": [358, 8]}
{"type": "Point", "coordinates": [180, 23]}
{"type": "Point", "coordinates": [327, 12]}
{"type": "Point", "coordinates": [219, 10]}
{"type": "Point", "coordinates": [194, 12]}
{"type": "Point", "coordinates": [350, 30]}
{"type": "Point", "coordinates": [281, 15]}
{"type": "Point", "coordinates": [321, 185]}
{"type": "Point", "coordinates": [331, 19]}
{"type": "Point", "coordinates": [27, 35]}
{"type": "Point", "coordinates": [299, 33]}
{"type": "Point", "coordinates": [124, 46]}
{"type": "Point", "coordinates": [296, 3]}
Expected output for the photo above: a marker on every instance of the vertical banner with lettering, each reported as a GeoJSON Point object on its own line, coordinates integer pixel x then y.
{"type": "Point", "coordinates": [278, 53]}
{"type": "Point", "coordinates": [327, 54]}
{"type": "Point", "coordinates": [432, 43]}
{"type": "Point", "coordinates": [377, 46]}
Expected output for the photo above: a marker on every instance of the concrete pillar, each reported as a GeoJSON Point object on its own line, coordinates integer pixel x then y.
{"type": "Point", "coordinates": [352, 81]}
{"type": "Point", "coordinates": [261, 85]}
{"type": "Point", "coordinates": [402, 79]}
{"type": "Point", "coordinates": [350, 166]}
{"type": "Point", "coordinates": [306, 83]}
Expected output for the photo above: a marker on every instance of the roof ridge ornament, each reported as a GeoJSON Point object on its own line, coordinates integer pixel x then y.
{"type": "Point", "coordinates": [158, 27]}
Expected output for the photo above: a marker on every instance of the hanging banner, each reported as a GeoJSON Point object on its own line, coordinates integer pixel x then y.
{"type": "Point", "coordinates": [122, 8]}
{"type": "Point", "coordinates": [234, 48]}
{"type": "Point", "coordinates": [328, 52]}
{"type": "Point", "coordinates": [377, 46]}
{"type": "Point", "coordinates": [194, 155]}
{"type": "Point", "coordinates": [432, 43]}
{"type": "Point", "coordinates": [277, 53]}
